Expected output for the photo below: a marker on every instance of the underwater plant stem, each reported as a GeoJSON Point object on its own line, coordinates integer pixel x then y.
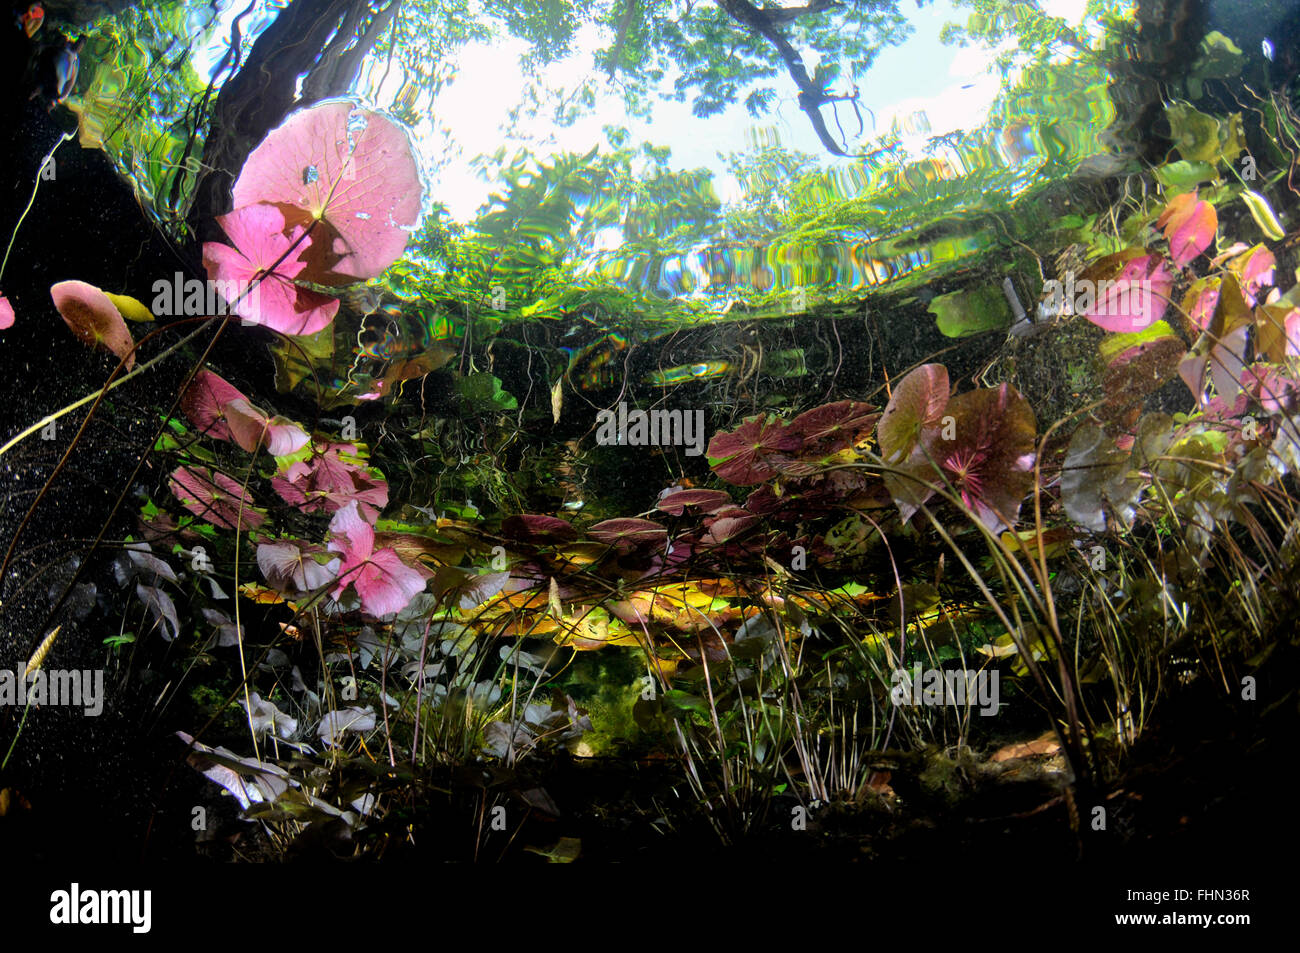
{"type": "Point", "coordinates": [31, 201]}
{"type": "Point", "coordinates": [64, 411]}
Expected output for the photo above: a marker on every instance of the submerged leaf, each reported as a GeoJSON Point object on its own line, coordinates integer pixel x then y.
{"type": "Point", "coordinates": [1189, 225]}
{"type": "Point", "coordinates": [739, 457]}
{"type": "Point", "coordinates": [626, 534]}
{"type": "Point", "coordinates": [1095, 480]}
{"type": "Point", "coordinates": [918, 402]}
{"type": "Point", "coordinates": [93, 318]}
{"type": "Point", "coordinates": [990, 460]}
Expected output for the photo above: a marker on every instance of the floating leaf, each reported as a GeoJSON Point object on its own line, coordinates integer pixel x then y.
{"type": "Point", "coordinates": [366, 183]}
{"type": "Point", "coordinates": [1194, 133]}
{"type": "Point", "coordinates": [1131, 291]}
{"type": "Point", "coordinates": [6, 313]}
{"type": "Point", "coordinates": [244, 276]}
{"type": "Point", "coordinates": [484, 395]}
{"type": "Point", "coordinates": [1183, 176]}
{"type": "Point", "coordinates": [92, 317]}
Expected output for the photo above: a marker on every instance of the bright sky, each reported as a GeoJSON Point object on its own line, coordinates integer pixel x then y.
{"type": "Point", "coordinates": [953, 87]}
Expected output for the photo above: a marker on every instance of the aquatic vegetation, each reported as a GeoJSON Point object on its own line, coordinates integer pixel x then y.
{"type": "Point", "coordinates": [462, 569]}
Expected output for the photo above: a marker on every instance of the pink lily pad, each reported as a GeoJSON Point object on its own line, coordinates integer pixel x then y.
{"type": "Point", "coordinates": [990, 460]}
{"type": "Point", "coordinates": [704, 501]}
{"type": "Point", "coordinates": [1201, 300]}
{"type": "Point", "coordinates": [215, 497]}
{"type": "Point", "coordinates": [351, 167]}
{"type": "Point", "coordinates": [382, 581]}
{"type": "Point", "coordinates": [1255, 271]}
{"type": "Point", "coordinates": [739, 457]}
{"type": "Point", "coordinates": [259, 243]}
{"type": "Point", "coordinates": [219, 410]}
{"type": "Point", "coordinates": [628, 533]}
{"type": "Point", "coordinates": [328, 482]}
{"type": "Point", "coordinates": [1189, 225]}
{"type": "Point", "coordinates": [918, 402]}
{"type": "Point", "coordinates": [6, 313]}
{"type": "Point", "coordinates": [1132, 291]}
{"type": "Point", "coordinates": [538, 529]}
{"type": "Point", "coordinates": [93, 318]}
{"type": "Point", "coordinates": [834, 426]}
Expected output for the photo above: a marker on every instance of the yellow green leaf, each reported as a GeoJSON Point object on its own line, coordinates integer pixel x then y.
{"type": "Point", "coordinates": [130, 308]}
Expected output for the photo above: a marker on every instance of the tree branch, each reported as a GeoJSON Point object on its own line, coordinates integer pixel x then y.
{"type": "Point", "coordinates": [811, 96]}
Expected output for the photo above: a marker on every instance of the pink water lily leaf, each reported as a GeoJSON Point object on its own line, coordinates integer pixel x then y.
{"type": "Point", "coordinates": [1201, 300]}
{"type": "Point", "coordinates": [6, 313]}
{"type": "Point", "coordinates": [93, 318]}
{"type": "Point", "coordinates": [215, 497]}
{"type": "Point", "coordinates": [628, 533]}
{"type": "Point", "coordinates": [705, 501]}
{"type": "Point", "coordinates": [288, 565]}
{"type": "Point", "coordinates": [353, 168]}
{"type": "Point", "coordinates": [219, 410]}
{"type": "Point", "coordinates": [990, 459]}
{"type": "Point", "coordinates": [1189, 225]}
{"type": "Point", "coordinates": [1255, 271]}
{"type": "Point", "coordinates": [918, 402]}
{"type": "Point", "coordinates": [329, 481]}
{"type": "Point", "coordinates": [743, 457]}
{"type": "Point", "coordinates": [1132, 291]}
{"type": "Point", "coordinates": [244, 276]}
{"type": "Point", "coordinates": [538, 529]}
{"type": "Point", "coordinates": [383, 582]}
{"type": "Point", "coordinates": [832, 427]}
